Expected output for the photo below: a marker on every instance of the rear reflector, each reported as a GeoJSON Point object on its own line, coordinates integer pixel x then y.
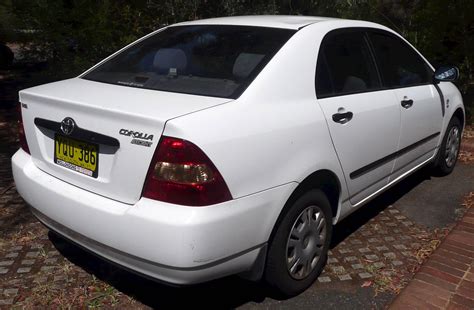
{"type": "Point", "coordinates": [181, 173]}
{"type": "Point", "coordinates": [21, 131]}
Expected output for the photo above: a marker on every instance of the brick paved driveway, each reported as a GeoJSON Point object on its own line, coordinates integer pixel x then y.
{"type": "Point", "coordinates": [374, 254]}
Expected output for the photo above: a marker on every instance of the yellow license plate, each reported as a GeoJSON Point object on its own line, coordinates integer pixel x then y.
{"type": "Point", "coordinates": [80, 156]}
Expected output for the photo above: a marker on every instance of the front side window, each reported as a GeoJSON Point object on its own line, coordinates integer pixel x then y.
{"type": "Point", "coordinates": [208, 60]}
{"type": "Point", "coordinates": [345, 65]}
{"type": "Point", "coordinates": [399, 64]}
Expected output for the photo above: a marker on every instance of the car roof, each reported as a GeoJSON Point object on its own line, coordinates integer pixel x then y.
{"type": "Point", "coordinates": [273, 21]}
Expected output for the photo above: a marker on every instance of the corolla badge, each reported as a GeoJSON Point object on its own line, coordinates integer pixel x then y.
{"type": "Point", "coordinates": [68, 125]}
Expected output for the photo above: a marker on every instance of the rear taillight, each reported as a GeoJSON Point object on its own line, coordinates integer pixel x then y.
{"type": "Point", "coordinates": [181, 173]}
{"type": "Point", "coordinates": [21, 131]}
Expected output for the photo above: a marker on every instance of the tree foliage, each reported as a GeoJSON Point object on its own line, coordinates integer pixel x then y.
{"type": "Point", "coordinates": [74, 34]}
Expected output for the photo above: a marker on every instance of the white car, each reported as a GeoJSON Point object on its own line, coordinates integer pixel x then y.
{"type": "Point", "coordinates": [233, 145]}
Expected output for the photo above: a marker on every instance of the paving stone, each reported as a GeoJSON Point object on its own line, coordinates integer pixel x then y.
{"type": "Point", "coordinates": [407, 223]}
{"type": "Point", "coordinates": [389, 239]}
{"type": "Point", "coordinates": [365, 275]}
{"type": "Point", "coordinates": [32, 254]}
{"type": "Point", "coordinates": [390, 255]}
{"type": "Point", "coordinates": [345, 277]}
{"type": "Point", "coordinates": [366, 233]}
{"type": "Point", "coordinates": [324, 279]}
{"type": "Point", "coordinates": [374, 240]}
{"type": "Point", "coordinates": [364, 250]}
{"type": "Point", "coordinates": [59, 278]}
{"type": "Point", "coordinates": [6, 263]}
{"type": "Point", "coordinates": [379, 265]}
{"type": "Point", "coordinates": [400, 217]}
{"type": "Point", "coordinates": [345, 251]}
{"type": "Point", "coordinates": [12, 255]}
{"type": "Point", "coordinates": [23, 270]}
{"type": "Point", "coordinates": [384, 218]}
{"type": "Point", "coordinates": [50, 260]}
{"type": "Point", "coordinates": [36, 246]}
{"type": "Point", "coordinates": [356, 241]}
{"type": "Point", "coordinates": [397, 263]}
{"type": "Point", "coordinates": [10, 291]}
{"type": "Point", "coordinates": [415, 245]}
{"type": "Point", "coordinates": [16, 248]}
{"type": "Point", "coordinates": [338, 269]}
{"type": "Point", "coordinates": [6, 302]}
{"type": "Point", "coordinates": [382, 248]}
{"type": "Point", "coordinates": [407, 253]}
{"type": "Point", "coordinates": [350, 259]}
{"type": "Point", "coordinates": [40, 280]}
{"type": "Point", "coordinates": [28, 262]}
{"type": "Point", "coordinates": [47, 268]}
{"type": "Point", "coordinates": [391, 224]}
{"type": "Point", "coordinates": [332, 260]}
{"type": "Point", "coordinates": [400, 247]}
{"type": "Point", "coordinates": [53, 253]}
{"type": "Point", "coordinates": [372, 257]}
{"type": "Point", "coordinates": [357, 266]}
{"type": "Point", "coordinates": [3, 270]}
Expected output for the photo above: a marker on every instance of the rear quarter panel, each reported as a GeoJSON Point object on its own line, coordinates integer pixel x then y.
{"type": "Point", "coordinates": [275, 133]}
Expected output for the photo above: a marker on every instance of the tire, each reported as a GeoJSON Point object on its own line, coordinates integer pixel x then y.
{"type": "Point", "coordinates": [449, 150]}
{"type": "Point", "coordinates": [286, 278]}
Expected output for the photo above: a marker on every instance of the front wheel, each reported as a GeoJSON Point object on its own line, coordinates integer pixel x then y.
{"type": "Point", "coordinates": [298, 251]}
{"type": "Point", "coordinates": [449, 150]}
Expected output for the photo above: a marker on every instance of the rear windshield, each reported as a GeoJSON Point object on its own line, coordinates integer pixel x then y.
{"type": "Point", "coordinates": [208, 60]}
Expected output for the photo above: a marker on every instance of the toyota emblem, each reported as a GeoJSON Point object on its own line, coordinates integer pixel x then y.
{"type": "Point", "coordinates": [68, 125]}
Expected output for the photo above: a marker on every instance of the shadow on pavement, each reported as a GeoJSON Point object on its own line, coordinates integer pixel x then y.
{"type": "Point", "coordinates": [224, 293]}
{"type": "Point", "coordinates": [229, 292]}
{"type": "Point", "coordinates": [360, 217]}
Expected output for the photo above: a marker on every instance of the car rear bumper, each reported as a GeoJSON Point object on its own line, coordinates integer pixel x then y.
{"type": "Point", "coordinates": [176, 244]}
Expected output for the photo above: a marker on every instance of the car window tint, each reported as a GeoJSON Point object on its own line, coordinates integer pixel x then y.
{"type": "Point", "coordinates": [208, 60]}
{"type": "Point", "coordinates": [399, 64]}
{"type": "Point", "coordinates": [345, 65]}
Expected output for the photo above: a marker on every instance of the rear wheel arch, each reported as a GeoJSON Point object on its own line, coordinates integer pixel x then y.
{"type": "Point", "coordinates": [324, 180]}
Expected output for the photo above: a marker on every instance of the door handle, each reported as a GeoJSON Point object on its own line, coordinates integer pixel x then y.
{"type": "Point", "coordinates": [342, 118]}
{"type": "Point", "coordinates": [407, 103]}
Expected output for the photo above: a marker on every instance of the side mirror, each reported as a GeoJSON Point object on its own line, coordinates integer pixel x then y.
{"type": "Point", "coordinates": [446, 74]}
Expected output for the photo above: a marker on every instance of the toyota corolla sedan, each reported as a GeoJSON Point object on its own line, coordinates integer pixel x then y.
{"type": "Point", "coordinates": [233, 145]}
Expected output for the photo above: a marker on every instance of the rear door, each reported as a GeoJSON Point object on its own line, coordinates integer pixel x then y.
{"type": "Point", "coordinates": [363, 119]}
{"type": "Point", "coordinates": [411, 78]}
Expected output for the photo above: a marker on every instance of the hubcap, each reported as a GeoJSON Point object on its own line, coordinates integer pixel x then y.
{"type": "Point", "coordinates": [452, 146]}
{"type": "Point", "coordinates": [305, 242]}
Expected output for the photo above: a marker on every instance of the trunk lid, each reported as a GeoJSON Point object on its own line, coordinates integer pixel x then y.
{"type": "Point", "coordinates": [133, 117]}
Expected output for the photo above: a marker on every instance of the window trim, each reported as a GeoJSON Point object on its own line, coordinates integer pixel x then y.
{"type": "Point", "coordinates": [366, 31]}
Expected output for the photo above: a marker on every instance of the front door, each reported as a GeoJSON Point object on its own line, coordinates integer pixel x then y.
{"type": "Point", "coordinates": [411, 78]}
{"type": "Point", "coordinates": [363, 119]}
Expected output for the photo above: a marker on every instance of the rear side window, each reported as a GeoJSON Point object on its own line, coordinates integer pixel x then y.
{"type": "Point", "coordinates": [209, 60]}
{"type": "Point", "coordinates": [345, 65]}
{"type": "Point", "coordinates": [399, 64]}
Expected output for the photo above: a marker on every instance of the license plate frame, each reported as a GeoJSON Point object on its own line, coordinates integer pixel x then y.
{"type": "Point", "coordinates": [71, 160]}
